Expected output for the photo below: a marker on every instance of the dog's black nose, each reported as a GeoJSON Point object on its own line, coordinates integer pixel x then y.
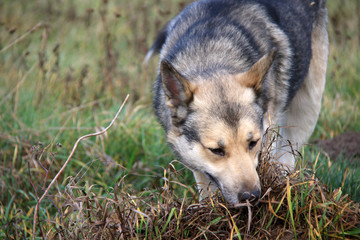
{"type": "Point", "coordinates": [249, 195]}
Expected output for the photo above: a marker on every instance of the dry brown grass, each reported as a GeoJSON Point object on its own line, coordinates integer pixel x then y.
{"type": "Point", "coordinates": [295, 206]}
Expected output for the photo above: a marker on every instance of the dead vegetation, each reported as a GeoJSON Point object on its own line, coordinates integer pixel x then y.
{"type": "Point", "coordinates": [295, 206]}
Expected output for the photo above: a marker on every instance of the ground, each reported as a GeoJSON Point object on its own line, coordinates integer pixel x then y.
{"type": "Point", "coordinates": [347, 144]}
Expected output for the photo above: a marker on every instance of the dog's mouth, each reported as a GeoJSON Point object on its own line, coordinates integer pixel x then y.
{"type": "Point", "coordinates": [213, 179]}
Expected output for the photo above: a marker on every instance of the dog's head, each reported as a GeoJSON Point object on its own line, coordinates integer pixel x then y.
{"type": "Point", "coordinates": [217, 126]}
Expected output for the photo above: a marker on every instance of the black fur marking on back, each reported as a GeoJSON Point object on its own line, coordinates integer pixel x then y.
{"type": "Point", "coordinates": [296, 19]}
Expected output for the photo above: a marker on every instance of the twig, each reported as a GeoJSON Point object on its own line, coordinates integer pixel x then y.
{"type": "Point", "coordinates": [249, 216]}
{"type": "Point", "coordinates": [67, 161]}
{"type": "Point", "coordinates": [248, 205]}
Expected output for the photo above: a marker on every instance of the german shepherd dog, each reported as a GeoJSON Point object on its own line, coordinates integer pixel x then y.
{"type": "Point", "coordinates": [228, 70]}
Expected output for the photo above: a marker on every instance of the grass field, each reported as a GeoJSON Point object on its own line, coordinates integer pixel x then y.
{"type": "Point", "coordinates": [65, 69]}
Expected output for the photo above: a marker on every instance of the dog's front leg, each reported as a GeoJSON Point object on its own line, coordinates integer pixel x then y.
{"type": "Point", "coordinates": [205, 187]}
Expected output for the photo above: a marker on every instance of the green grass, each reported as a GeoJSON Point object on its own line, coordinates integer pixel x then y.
{"type": "Point", "coordinates": [67, 78]}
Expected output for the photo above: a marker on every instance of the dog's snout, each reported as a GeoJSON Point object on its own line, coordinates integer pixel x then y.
{"type": "Point", "coordinates": [252, 195]}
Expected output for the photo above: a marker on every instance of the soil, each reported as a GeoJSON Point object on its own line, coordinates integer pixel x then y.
{"type": "Point", "coordinates": [347, 143]}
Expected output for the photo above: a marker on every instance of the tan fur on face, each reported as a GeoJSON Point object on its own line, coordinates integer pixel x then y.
{"type": "Point", "coordinates": [236, 171]}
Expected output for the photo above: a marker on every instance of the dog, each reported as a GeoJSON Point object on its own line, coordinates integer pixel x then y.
{"type": "Point", "coordinates": [228, 70]}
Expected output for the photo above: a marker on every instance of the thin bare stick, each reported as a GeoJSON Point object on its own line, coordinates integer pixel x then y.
{"type": "Point", "coordinates": [248, 205]}
{"type": "Point", "coordinates": [249, 215]}
{"type": "Point", "coordinates": [40, 24]}
{"type": "Point", "coordinates": [67, 161]}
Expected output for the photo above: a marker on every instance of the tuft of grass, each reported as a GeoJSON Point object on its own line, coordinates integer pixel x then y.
{"type": "Point", "coordinates": [296, 206]}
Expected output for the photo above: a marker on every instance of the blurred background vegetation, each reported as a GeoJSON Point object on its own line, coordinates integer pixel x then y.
{"type": "Point", "coordinates": [65, 68]}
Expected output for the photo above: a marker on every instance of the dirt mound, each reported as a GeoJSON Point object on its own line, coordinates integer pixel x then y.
{"type": "Point", "coordinates": [346, 143]}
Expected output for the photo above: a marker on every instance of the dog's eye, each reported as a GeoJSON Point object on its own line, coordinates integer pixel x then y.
{"type": "Point", "coordinates": [218, 151]}
{"type": "Point", "coordinates": [252, 144]}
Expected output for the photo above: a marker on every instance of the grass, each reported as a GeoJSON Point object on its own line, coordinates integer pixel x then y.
{"type": "Point", "coordinates": [65, 68]}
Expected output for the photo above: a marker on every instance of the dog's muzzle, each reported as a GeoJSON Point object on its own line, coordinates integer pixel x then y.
{"type": "Point", "coordinates": [242, 196]}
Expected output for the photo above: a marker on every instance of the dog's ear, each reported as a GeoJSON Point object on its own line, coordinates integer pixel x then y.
{"type": "Point", "coordinates": [178, 89]}
{"type": "Point", "coordinates": [254, 77]}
